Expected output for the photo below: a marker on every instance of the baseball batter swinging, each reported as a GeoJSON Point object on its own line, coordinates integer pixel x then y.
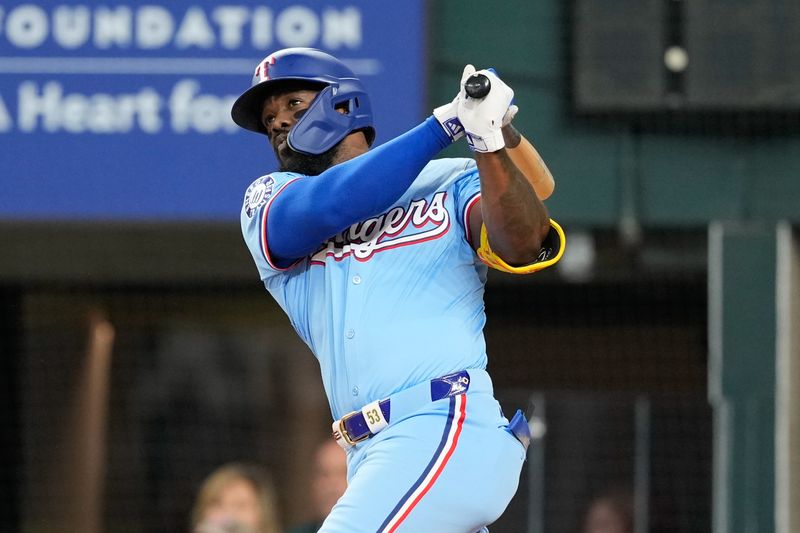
{"type": "Point", "coordinates": [379, 258]}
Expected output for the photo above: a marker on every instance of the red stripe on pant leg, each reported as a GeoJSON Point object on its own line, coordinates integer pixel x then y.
{"type": "Point", "coordinates": [459, 426]}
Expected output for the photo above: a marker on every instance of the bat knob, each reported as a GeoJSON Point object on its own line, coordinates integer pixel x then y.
{"type": "Point", "coordinates": [477, 86]}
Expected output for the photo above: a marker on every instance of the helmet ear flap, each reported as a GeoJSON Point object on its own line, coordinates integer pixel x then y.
{"type": "Point", "coordinates": [321, 127]}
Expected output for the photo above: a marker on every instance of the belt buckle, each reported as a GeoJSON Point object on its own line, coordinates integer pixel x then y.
{"type": "Point", "coordinates": [343, 429]}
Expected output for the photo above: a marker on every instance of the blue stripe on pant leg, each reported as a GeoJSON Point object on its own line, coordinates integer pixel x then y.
{"type": "Point", "coordinates": [448, 425]}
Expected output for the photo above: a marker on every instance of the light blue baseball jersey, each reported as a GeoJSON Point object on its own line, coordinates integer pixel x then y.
{"type": "Point", "coordinates": [390, 302]}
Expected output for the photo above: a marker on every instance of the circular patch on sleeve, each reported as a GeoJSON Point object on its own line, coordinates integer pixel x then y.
{"type": "Point", "coordinates": [257, 194]}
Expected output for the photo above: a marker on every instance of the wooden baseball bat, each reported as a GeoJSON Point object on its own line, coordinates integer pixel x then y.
{"type": "Point", "coordinates": [523, 154]}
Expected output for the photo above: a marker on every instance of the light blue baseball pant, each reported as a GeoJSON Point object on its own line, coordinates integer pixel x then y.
{"type": "Point", "coordinates": [451, 467]}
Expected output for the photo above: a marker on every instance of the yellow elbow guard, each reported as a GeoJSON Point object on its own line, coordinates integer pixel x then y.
{"type": "Point", "coordinates": [551, 251]}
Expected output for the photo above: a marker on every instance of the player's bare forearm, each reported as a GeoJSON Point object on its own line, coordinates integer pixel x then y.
{"type": "Point", "coordinates": [528, 160]}
{"type": "Point", "coordinates": [511, 136]}
{"type": "Point", "coordinates": [516, 220]}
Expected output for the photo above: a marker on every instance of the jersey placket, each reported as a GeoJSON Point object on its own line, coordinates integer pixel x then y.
{"type": "Point", "coordinates": [354, 304]}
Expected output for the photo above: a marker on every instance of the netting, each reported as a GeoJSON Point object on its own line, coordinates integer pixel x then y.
{"type": "Point", "coordinates": [613, 371]}
{"type": "Point", "coordinates": [192, 379]}
{"type": "Point", "coordinates": [126, 397]}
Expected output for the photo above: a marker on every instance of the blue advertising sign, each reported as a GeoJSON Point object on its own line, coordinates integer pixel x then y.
{"type": "Point", "coordinates": [122, 110]}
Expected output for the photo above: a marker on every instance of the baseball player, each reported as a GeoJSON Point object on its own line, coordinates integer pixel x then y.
{"type": "Point", "coordinates": [379, 258]}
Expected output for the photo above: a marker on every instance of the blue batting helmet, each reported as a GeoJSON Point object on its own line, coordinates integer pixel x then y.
{"type": "Point", "coordinates": [322, 126]}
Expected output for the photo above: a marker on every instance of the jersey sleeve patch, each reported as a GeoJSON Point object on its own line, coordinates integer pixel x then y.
{"type": "Point", "coordinates": [257, 194]}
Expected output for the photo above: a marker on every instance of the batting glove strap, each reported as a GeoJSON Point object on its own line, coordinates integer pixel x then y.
{"type": "Point", "coordinates": [551, 251]}
{"type": "Point", "coordinates": [489, 143]}
{"type": "Point", "coordinates": [447, 115]}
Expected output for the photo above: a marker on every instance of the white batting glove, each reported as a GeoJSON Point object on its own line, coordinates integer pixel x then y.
{"type": "Point", "coordinates": [447, 115]}
{"type": "Point", "coordinates": [483, 118]}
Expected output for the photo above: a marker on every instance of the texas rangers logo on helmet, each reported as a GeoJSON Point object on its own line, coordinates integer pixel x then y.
{"type": "Point", "coordinates": [262, 70]}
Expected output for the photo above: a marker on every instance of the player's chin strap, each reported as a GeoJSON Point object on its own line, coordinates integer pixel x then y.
{"type": "Point", "coordinates": [551, 251]}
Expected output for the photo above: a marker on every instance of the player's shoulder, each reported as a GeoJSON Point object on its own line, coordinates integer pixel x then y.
{"type": "Point", "coordinates": [263, 188]}
{"type": "Point", "coordinates": [450, 166]}
{"type": "Point", "coordinates": [274, 178]}
{"type": "Point", "coordinates": [446, 172]}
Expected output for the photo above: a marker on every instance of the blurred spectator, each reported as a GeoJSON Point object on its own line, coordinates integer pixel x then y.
{"type": "Point", "coordinates": [611, 511]}
{"type": "Point", "coordinates": [236, 498]}
{"type": "Point", "coordinates": [328, 483]}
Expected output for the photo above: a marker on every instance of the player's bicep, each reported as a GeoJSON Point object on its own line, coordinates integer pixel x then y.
{"type": "Point", "coordinates": [298, 220]}
{"type": "Point", "coordinates": [474, 223]}
{"type": "Point", "coordinates": [257, 227]}
{"type": "Point", "coordinates": [280, 216]}
{"type": "Point", "coordinates": [468, 201]}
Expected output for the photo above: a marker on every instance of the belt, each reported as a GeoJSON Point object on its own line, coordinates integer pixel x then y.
{"type": "Point", "coordinates": [359, 426]}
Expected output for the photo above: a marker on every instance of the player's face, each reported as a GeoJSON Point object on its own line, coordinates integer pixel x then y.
{"type": "Point", "coordinates": [280, 113]}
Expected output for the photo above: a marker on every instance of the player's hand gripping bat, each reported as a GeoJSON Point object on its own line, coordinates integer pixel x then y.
{"type": "Point", "coordinates": [523, 154]}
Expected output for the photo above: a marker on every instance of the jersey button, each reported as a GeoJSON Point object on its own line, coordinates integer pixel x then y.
{"type": "Point", "coordinates": [355, 391]}
{"type": "Point", "coordinates": [350, 333]}
{"type": "Point", "coordinates": [356, 279]}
